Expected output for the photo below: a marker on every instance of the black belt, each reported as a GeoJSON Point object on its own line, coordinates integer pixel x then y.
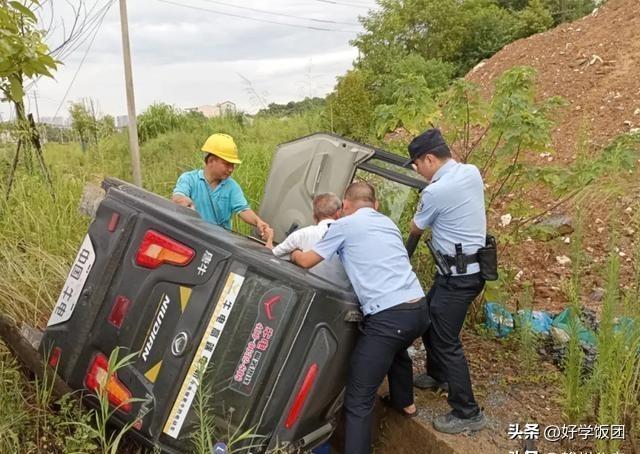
{"type": "Point", "coordinates": [468, 259]}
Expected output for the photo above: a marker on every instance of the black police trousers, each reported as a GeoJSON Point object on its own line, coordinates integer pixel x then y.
{"type": "Point", "coordinates": [448, 301]}
{"type": "Point", "coordinates": [381, 350]}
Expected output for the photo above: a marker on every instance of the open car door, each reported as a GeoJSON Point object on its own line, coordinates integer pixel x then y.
{"type": "Point", "coordinates": [323, 162]}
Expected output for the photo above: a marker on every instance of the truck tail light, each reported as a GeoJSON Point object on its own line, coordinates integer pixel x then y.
{"type": "Point", "coordinates": [119, 311]}
{"type": "Point", "coordinates": [157, 249]}
{"type": "Point", "coordinates": [54, 359]}
{"type": "Point", "coordinates": [98, 377]}
{"type": "Point", "coordinates": [301, 397]}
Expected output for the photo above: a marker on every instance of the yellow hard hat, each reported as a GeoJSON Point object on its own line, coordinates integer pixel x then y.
{"type": "Point", "coordinates": [223, 146]}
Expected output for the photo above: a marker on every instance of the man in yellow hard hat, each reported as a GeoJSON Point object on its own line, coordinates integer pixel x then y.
{"type": "Point", "coordinates": [211, 191]}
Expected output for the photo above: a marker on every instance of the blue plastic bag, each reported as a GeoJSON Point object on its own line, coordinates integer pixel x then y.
{"type": "Point", "coordinates": [324, 448]}
{"type": "Point", "coordinates": [498, 320]}
{"type": "Point", "coordinates": [539, 321]}
{"type": "Point", "coordinates": [561, 322]}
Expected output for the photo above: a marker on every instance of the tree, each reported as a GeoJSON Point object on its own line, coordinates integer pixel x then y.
{"type": "Point", "coordinates": [293, 107]}
{"type": "Point", "coordinates": [23, 53]}
{"type": "Point", "coordinates": [568, 10]}
{"type": "Point", "coordinates": [535, 18]}
{"type": "Point", "coordinates": [83, 123]}
{"type": "Point", "coordinates": [436, 73]}
{"type": "Point", "coordinates": [349, 108]}
{"type": "Point", "coordinates": [157, 119]}
{"type": "Point", "coordinates": [106, 126]}
{"type": "Point", "coordinates": [458, 32]}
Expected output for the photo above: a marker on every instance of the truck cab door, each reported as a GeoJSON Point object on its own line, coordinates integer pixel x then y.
{"type": "Point", "coordinates": [300, 170]}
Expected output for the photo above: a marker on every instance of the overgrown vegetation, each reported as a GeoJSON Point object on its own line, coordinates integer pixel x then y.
{"type": "Point", "coordinates": [424, 45]}
{"type": "Point", "coordinates": [404, 82]}
{"type": "Point", "coordinates": [39, 237]}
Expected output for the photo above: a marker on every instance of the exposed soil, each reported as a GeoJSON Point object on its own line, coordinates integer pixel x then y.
{"type": "Point", "coordinates": [593, 64]}
{"type": "Point", "coordinates": [508, 390]}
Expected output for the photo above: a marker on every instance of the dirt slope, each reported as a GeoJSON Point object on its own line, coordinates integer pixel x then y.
{"type": "Point", "coordinates": [594, 63]}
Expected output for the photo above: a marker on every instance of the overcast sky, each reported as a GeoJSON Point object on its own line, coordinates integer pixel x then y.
{"type": "Point", "coordinates": [189, 56]}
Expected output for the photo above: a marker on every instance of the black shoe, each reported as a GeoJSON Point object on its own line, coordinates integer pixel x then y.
{"type": "Point", "coordinates": [451, 424]}
{"type": "Point", "coordinates": [424, 381]}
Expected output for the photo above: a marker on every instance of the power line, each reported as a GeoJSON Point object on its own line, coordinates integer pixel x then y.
{"type": "Point", "coordinates": [262, 11]}
{"type": "Point", "coordinates": [86, 52]}
{"type": "Point", "coordinates": [351, 5]}
{"type": "Point", "coordinates": [88, 27]}
{"type": "Point", "coordinates": [287, 24]}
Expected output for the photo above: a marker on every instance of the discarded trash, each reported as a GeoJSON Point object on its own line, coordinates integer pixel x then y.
{"type": "Point", "coordinates": [538, 321]}
{"type": "Point", "coordinates": [322, 449]}
{"type": "Point", "coordinates": [219, 448]}
{"type": "Point", "coordinates": [498, 320]}
{"type": "Point", "coordinates": [562, 329]}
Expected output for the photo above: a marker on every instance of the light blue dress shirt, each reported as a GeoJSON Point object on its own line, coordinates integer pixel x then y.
{"type": "Point", "coordinates": [453, 206]}
{"type": "Point", "coordinates": [371, 249]}
{"type": "Point", "coordinates": [214, 205]}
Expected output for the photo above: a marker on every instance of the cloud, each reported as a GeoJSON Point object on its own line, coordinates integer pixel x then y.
{"type": "Point", "coordinates": [189, 57]}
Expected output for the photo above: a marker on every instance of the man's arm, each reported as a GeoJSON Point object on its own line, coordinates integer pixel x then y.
{"type": "Point", "coordinates": [250, 217]}
{"type": "Point", "coordinates": [183, 200]}
{"type": "Point", "coordinates": [182, 192]}
{"type": "Point", "coordinates": [268, 241]}
{"type": "Point", "coordinates": [414, 230]}
{"type": "Point", "coordinates": [307, 259]}
{"type": "Point", "coordinates": [426, 213]}
{"type": "Point", "coordinates": [290, 244]}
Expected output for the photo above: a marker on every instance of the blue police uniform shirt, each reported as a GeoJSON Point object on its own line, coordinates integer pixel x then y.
{"type": "Point", "coordinates": [453, 206]}
{"type": "Point", "coordinates": [214, 205]}
{"type": "Point", "coordinates": [371, 249]}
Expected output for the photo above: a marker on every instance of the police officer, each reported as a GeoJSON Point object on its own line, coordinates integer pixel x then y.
{"type": "Point", "coordinates": [371, 249]}
{"type": "Point", "coordinates": [211, 191]}
{"type": "Point", "coordinates": [452, 205]}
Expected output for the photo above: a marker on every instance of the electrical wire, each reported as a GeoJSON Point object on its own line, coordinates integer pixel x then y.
{"type": "Point", "coordinates": [287, 24]}
{"type": "Point", "coordinates": [262, 11]}
{"type": "Point", "coordinates": [86, 52]}
{"type": "Point", "coordinates": [351, 5]}
{"type": "Point", "coordinates": [76, 41]}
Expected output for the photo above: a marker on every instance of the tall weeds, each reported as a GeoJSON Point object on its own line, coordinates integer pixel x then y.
{"type": "Point", "coordinates": [615, 377]}
{"type": "Point", "coordinates": [576, 396]}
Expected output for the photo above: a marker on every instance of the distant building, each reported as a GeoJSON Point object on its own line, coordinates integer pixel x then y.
{"type": "Point", "coordinates": [57, 122]}
{"type": "Point", "coordinates": [217, 110]}
{"type": "Point", "coordinates": [122, 121]}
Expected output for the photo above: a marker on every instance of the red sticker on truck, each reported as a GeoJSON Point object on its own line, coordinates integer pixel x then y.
{"type": "Point", "coordinates": [271, 311]}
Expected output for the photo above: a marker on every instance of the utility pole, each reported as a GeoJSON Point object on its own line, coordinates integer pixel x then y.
{"type": "Point", "coordinates": [131, 106]}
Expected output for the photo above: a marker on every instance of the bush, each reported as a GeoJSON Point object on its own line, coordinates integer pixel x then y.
{"type": "Point", "coordinates": [349, 108]}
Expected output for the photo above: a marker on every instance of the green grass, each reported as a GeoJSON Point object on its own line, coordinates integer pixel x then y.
{"type": "Point", "coordinates": [40, 233]}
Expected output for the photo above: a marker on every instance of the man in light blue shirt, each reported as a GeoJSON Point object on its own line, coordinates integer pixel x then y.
{"type": "Point", "coordinates": [211, 191]}
{"type": "Point", "coordinates": [452, 205]}
{"type": "Point", "coordinates": [370, 247]}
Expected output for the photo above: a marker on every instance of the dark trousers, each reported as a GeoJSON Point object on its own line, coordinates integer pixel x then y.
{"type": "Point", "coordinates": [448, 301]}
{"type": "Point", "coordinates": [381, 349]}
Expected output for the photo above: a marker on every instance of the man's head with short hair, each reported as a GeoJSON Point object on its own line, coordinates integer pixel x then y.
{"type": "Point", "coordinates": [358, 195]}
{"type": "Point", "coordinates": [326, 206]}
{"type": "Point", "coordinates": [428, 152]}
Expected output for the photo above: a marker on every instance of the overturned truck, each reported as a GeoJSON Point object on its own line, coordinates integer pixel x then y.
{"type": "Point", "coordinates": [208, 310]}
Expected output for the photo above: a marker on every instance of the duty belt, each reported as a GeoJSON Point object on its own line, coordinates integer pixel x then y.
{"type": "Point", "coordinates": [467, 258]}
